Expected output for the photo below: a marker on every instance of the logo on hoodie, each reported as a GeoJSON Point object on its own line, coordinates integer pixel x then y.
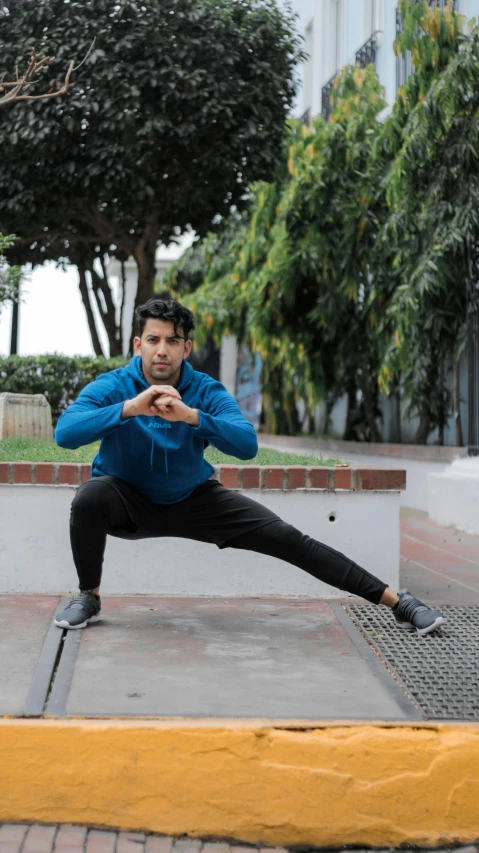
{"type": "Point", "coordinates": [153, 422]}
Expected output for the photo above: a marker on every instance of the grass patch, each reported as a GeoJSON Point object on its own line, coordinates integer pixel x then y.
{"type": "Point", "coordinates": [35, 450]}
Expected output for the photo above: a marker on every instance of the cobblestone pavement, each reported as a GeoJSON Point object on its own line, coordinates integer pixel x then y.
{"type": "Point", "coordinates": [23, 838]}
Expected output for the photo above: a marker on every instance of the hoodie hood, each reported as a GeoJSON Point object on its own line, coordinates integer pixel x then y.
{"type": "Point", "coordinates": [135, 369]}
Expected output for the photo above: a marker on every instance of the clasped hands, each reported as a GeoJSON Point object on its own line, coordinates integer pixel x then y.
{"type": "Point", "coordinates": [162, 400]}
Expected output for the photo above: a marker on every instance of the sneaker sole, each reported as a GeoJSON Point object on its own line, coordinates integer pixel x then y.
{"type": "Point", "coordinates": [408, 626]}
{"type": "Point", "coordinates": [438, 622]}
{"type": "Point", "coordinates": [64, 624]}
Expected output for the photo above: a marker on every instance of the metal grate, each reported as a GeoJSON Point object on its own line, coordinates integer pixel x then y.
{"type": "Point", "coordinates": [440, 671]}
{"type": "Point", "coordinates": [306, 117]}
{"type": "Point", "coordinates": [367, 53]}
{"type": "Point", "coordinates": [326, 106]}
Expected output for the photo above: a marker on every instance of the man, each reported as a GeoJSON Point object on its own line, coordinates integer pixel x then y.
{"type": "Point", "coordinates": [155, 418]}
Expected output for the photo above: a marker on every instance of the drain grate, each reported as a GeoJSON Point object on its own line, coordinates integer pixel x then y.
{"type": "Point", "coordinates": [440, 671]}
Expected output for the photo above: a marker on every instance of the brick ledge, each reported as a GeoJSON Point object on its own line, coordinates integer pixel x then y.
{"type": "Point", "coordinates": [233, 476]}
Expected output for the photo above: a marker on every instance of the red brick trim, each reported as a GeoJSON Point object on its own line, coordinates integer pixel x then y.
{"type": "Point", "coordinates": [243, 477]}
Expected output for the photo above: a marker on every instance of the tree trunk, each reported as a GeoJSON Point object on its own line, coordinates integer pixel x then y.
{"type": "Point", "coordinates": [328, 407]}
{"type": "Point", "coordinates": [442, 414]}
{"type": "Point", "coordinates": [397, 397]}
{"type": "Point", "coordinates": [422, 430]}
{"type": "Point", "coordinates": [349, 431]}
{"type": "Point", "coordinates": [457, 406]}
{"type": "Point", "coordinates": [370, 412]}
{"type": "Point", "coordinates": [145, 256]}
{"type": "Point", "coordinates": [108, 314]}
{"type": "Point", "coordinates": [291, 412]}
{"type": "Point", "coordinates": [88, 310]}
{"type": "Point", "coordinates": [122, 305]}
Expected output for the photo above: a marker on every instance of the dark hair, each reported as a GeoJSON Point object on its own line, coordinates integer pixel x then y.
{"type": "Point", "coordinates": [165, 309]}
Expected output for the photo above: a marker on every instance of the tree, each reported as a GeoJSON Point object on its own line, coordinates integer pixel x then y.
{"type": "Point", "coordinates": [297, 280]}
{"type": "Point", "coordinates": [178, 108]}
{"type": "Point", "coordinates": [433, 226]}
{"type": "Point", "coordinates": [354, 264]}
{"type": "Point", "coordinates": [10, 277]}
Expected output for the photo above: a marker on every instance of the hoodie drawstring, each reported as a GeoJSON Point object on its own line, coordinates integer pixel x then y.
{"type": "Point", "coordinates": [152, 453]}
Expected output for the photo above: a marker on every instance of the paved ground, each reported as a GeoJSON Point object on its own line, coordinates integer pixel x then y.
{"type": "Point", "coordinates": [214, 657]}
{"type": "Point", "coordinates": [440, 564]}
{"type": "Point", "coordinates": [274, 658]}
{"type": "Point", "coordinates": [20, 838]}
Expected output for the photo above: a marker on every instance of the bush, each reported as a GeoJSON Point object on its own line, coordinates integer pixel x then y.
{"type": "Point", "coordinates": [58, 377]}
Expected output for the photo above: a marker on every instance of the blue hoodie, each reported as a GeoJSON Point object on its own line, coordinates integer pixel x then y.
{"type": "Point", "coordinates": [164, 460]}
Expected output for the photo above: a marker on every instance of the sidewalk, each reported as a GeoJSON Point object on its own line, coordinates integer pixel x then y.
{"type": "Point", "coordinates": [79, 839]}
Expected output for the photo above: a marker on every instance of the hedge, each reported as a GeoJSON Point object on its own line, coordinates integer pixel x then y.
{"type": "Point", "coordinates": [58, 377]}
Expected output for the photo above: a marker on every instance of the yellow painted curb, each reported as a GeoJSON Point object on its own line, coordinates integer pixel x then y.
{"type": "Point", "coordinates": [279, 783]}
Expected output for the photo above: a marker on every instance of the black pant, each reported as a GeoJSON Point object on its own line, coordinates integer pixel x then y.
{"type": "Point", "coordinates": [107, 505]}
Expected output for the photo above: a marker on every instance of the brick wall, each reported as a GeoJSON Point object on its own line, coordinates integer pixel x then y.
{"type": "Point", "coordinates": [233, 476]}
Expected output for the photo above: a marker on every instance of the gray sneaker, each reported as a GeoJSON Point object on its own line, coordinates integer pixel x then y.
{"type": "Point", "coordinates": [84, 607]}
{"type": "Point", "coordinates": [412, 614]}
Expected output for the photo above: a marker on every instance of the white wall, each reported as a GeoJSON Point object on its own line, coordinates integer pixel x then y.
{"type": "Point", "coordinates": [409, 425]}
{"type": "Point", "coordinates": [35, 555]}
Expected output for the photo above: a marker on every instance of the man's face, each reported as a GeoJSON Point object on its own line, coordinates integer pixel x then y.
{"type": "Point", "coordinates": [162, 351]}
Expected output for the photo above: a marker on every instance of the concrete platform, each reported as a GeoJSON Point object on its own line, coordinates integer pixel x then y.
{"type": "Point", "coordinates": [225, 658]}
{"type": "Point", "coordinates": [276, 658]}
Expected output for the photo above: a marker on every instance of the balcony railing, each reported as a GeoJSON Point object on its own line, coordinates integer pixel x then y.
{"type": "Point", "coordinates": [367, 53]}
{"type": "Point", "coordinates": [326, 97]}
{"type": "Point", "coordinates": [364, 57]}
{"type": "Point", "coordinates": [404, 66]}
{"type": "Point", "coordinates": [305, 118]}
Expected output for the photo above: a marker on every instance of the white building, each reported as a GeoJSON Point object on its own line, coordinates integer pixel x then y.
{"type": "Point", "coordinates": [345, 32]}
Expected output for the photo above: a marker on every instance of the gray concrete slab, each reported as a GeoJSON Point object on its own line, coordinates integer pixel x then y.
{"type": "Point", "coordinates": [224, 658]}
{"type": "Point", "coordinates": [24, 624]}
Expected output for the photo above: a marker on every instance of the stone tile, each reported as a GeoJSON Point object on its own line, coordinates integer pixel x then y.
{"type": "Point", "coordinates": [72, 837]}
{"type": "Point", "coordinates": [130, 842]}
{"type": "Point", "coordinates": [10, 833]}
{"type": "Point", "coordinates": [39, 839]}
{"type": "Point", "coordinates": [99, 841]}
{"type": "Point", "coordinates": [158, 844]}
{"type": "Point", "coordinates": [186, 845]}
{"type": "Point", "coordinates": [216, 847]}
